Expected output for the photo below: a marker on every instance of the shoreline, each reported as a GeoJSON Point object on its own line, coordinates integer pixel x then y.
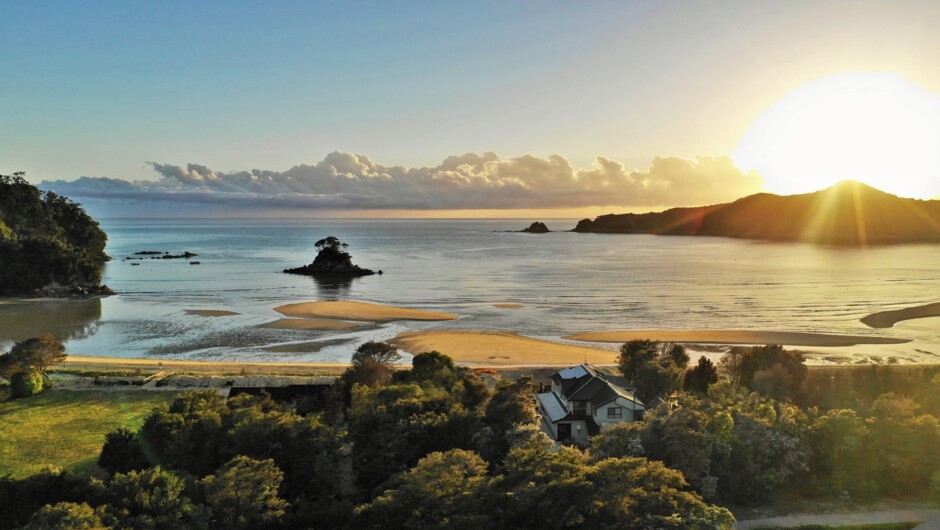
{"type": "Point", "coordinates": [734, 337]}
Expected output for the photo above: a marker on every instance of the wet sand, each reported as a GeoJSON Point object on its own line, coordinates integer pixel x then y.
{"type": "Point", "coordinates": [887, 319]}
{"type": "Point", "coordinates": [359, 311]}
{"type": "Point", "coordinates": [496, 348]}
{"type": "Point", "coordinates": [312, 324]}
{"type": "Point", "coordinates": [509, 306]}
{"type": "Point", "coordinates": [785, 338]}
{"type": "Point", "coordinates": [210, 312]}
{"type": "Point", "coordinates": [304, 347]}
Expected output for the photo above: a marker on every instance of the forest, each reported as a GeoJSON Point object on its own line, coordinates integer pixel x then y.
{"type": "Point", "coordinates": [48, 244]}
{"type": "Point", "coordinates": [435, 446]}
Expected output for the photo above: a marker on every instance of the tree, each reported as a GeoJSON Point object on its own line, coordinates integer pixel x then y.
{"type": "Point", "coordinates": [637, 493]}
{"type": "Point", "coordinates": [635, 354]}
{"type": "Point", "coordinates": [244, 493]}
{"type": "Point", "coordinates": [730, 363]}
{"type": "Point", "coordinates": [444, 490]}
{"type": "Point", "coordinates": [25, 384]}
{"type": "Point", "coordinates": [150, 499]}
{"type": "Point", "coordinates": [122, 453]}
{"type": "Point", "coordinates": [372, 364]}
{"type": "Point", "coordinates": [652, 369]}
{"type": "Point", "coordinates": [840, 441]}
{"type": "Point", "coordinates": [678, 355]}
{"type": "Point", "coordinates": [701, 377]}
{"type": "Point", "coordinates": [32, 354]}
{"type": "Point", "coordinates": [67, 515]}
{"type": "Point", "coordinates": [785, 381]}
{"type": "Point", "coordinates": [510, 408]}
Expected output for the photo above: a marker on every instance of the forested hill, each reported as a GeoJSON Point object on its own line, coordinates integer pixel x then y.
{"type": "Point", "coordinates": [848, 213]}
{"type": "Point", "coordinates": [48, 244]}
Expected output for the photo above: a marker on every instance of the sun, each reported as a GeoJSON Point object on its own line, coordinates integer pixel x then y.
{"type": "Point", "coordinates": [876, 128]}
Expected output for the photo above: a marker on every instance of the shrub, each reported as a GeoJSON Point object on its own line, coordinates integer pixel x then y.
{"type": "Point", "coordinates": [935, 486]}
{"type": "Point", "coordinates": [26, 384]}
{"type": "Point", "coordinates": [122, 452]}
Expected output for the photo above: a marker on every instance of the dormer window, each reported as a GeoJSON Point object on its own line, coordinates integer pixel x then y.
{"type": "Point", "coordinates": [579, 406]}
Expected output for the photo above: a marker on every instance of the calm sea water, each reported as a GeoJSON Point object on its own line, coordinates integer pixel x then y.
{"type": "Point", "coordinates": [568, 282]}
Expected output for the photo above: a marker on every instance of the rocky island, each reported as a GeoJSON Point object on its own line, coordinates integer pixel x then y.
{"type": "Point", "coordinates": [49, 246]}
{"type": "Point", "coordinates": [332, 261]}
{"type": "Point", "coordinates": [537, 227]}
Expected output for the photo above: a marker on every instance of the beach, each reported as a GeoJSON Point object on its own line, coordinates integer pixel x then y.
{"type": "Point", "coordinates": [785, 338]}
{"type": "Point", "coordinates": [115, 364]}
{"type": "Point", "coordinates": [497, 348]}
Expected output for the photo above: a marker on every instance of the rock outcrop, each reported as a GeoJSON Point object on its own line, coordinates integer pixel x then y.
{"type": "Point", "coordinates": [332, 260]}
{"type": "Point", "coordinates": [537, 227]}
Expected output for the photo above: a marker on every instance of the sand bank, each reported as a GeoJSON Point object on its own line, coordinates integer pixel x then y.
{"type": "Point", "coordinates": [887, 319]}
{"type": "Point", "coordinates": [210, 312]}
{"type": "Point", "coordinates": [359, 311]}
{"type": "Point", "coordinates": [509, 306]}
{"type": "Point", "coordinates": [494, 348]}
{"type": "Point", "coordinates": [324, 324]}
{"type": "Point", "coordinates": [785, 338]}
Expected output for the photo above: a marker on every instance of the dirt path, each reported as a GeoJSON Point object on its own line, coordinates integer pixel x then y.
{"type": "Point", "coordinates": [841, 519]}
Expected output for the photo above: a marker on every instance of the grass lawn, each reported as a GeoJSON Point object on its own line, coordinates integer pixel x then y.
{"type": "Point", "coordinates": [66, 428]}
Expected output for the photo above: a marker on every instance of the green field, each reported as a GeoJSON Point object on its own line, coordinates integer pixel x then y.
{"type": "Point", "coordinates": [66, 429]}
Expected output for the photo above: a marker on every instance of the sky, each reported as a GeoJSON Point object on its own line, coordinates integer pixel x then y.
{"type": "Point", "coordinates": [420, 108]}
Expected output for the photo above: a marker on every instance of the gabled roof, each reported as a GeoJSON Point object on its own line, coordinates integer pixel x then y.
{"type": "Point", "coordinates": [586, 383]}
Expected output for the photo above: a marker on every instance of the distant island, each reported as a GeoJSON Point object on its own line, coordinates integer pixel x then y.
{"type": "Point", "coordinates": [49, 246]}
{"type": "Point", "coordinates": [848, 213]}
{"type": "Point", "coordinates": [537, 228]}
{"type": "Point", "coordinates": [332, 260]}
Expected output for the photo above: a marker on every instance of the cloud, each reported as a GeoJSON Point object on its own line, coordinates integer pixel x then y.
{"type": "Point", "coordinates": [346, 181]}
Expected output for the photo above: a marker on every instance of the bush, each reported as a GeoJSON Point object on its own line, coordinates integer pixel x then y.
{"type": "Point", "coordinates": [26, 384]}
{"type": "Point", "coordinates": [122, 453]}
{"type": "Point", "coordinates": [935, 486]}
{"type": "Point", "coordinates": [6, 393]}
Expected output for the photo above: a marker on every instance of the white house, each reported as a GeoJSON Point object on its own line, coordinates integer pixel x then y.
{"type": "Point", "coordinates": [584, 400]}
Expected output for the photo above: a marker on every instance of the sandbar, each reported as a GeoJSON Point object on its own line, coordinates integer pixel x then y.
{"type": "Point", "coordinates": [310, 324]}
{"type": "Point", "coordinates": [509, 306]}
{"type": "Point", "coordinates": [497, 348]}
{"type": "Point", "coordinates": [887, 319]}
{"type": "Point", "coordinates": [210, 312]}
{"type": "Point", "coordinates": [359, 311]}
{"type": "Point", "coordinates": [785, 338]}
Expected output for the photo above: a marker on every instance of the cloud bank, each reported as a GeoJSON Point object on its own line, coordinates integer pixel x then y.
{"type": "Point", "coordinates": [346, 181]}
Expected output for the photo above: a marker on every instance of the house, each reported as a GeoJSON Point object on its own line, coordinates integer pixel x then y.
{"type": "Point", "coordinates": [584, 400]}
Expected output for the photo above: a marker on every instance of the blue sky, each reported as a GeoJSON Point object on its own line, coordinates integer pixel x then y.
{"type": "Point", "coordinates": [99, 89]}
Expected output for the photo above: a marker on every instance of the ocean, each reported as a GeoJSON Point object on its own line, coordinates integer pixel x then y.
{"type": "Point", "coordinates": [568, 282]}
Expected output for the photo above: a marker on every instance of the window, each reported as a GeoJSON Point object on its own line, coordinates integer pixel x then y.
{"type": "Point", "coordinates": [579, 406]}
{"type": "Point", "coordinates": [615, 412]}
